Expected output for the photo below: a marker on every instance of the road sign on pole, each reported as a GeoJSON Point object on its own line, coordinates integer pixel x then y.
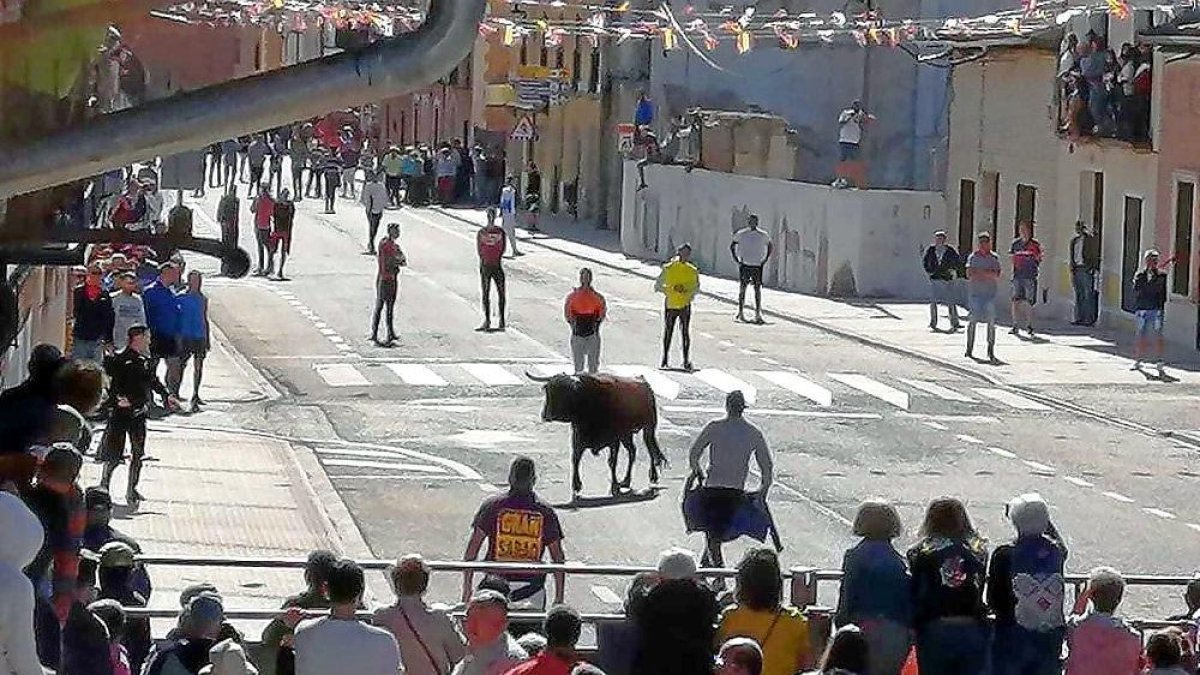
{"type": "Point", "coordinates": [524, 130]}
{"type": "Point", "coordinates": [625, 134]}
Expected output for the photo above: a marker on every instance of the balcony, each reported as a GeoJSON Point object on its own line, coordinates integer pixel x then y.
{"type": "Point", "coordinates": [1102, 97]}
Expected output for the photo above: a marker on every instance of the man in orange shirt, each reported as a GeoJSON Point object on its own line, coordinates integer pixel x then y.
{"type": "Point", "coordinates": [585, 310]}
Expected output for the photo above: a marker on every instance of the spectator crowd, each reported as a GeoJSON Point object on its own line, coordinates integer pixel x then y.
{"type": "Point", "coordinates": [1103, 92]}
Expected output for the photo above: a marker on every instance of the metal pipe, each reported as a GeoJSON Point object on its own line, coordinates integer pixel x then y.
{"type": "Point", "coordinates": [235, 108]}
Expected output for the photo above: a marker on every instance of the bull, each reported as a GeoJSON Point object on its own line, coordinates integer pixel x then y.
{"type": "Point", "coordinates": [605, 411]}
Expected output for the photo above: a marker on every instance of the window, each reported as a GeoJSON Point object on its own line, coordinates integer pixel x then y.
{"type": "Point", "coordinates": [594, 72]}
{"type": "Point", "coordinates": [576, 63]}
{"type": "Point", "coordinates": [1026, 206]}
{"type": "Point", "coordinates": [966, 214]}
{"type": "Point", "coordinates": [991, 200]}
{"type": "Point", "coordinates": [544, 54]}
{"type": "Point", "coordinates": [524, 51]}
{"type": "Point", "coordinates": [559, 57]}
{"type": "Point", "coordinates": [1098, 205]}
{"type": "Point", "coordinates": [1185, 208]}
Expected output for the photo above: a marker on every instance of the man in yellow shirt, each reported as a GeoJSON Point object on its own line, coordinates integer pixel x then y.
{"type": "Point", "coordinates": [679, 281]}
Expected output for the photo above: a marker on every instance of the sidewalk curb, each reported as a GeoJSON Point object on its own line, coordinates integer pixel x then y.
{"type": "Point", "coordinates": [877, 343]}
{"type": "Point", "coordinates": [267, 391]}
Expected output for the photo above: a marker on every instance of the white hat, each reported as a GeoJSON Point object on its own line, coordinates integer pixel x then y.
{"type": "Point", "coordinates": [677, 563]}
{"type": "Point", "coordinates": [227, 658]}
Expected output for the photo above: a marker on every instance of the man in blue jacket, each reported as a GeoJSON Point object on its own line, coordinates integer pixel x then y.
{"type": "Point", "coordinates": [162, 317]}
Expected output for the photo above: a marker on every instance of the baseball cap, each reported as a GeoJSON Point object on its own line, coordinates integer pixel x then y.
{"type": "Point", "coordinates": [195, 590]}
{"type": "Point", "coordinates": [116, 554]}
{"type": "Point", "coordinates": [207, 608]}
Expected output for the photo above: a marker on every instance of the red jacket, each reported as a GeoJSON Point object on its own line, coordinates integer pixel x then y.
{"type": "Point", "coordinates": [491, 243]}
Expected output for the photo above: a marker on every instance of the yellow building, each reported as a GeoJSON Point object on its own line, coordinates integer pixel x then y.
{"type": "Point", "coordinates": [568, 130]}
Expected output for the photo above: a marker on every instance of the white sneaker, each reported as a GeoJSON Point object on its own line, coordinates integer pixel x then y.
{"type": "Point", "coordinates": [1137, 365]}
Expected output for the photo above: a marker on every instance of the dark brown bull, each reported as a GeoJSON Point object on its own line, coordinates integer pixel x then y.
{"type": "Point", "coordinates": [605, 411]}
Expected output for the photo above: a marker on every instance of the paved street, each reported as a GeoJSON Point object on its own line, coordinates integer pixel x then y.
{"type": "Point", "coordinates": [414, 436]}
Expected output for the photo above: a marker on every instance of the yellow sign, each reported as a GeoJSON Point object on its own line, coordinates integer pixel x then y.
{"type": "Point", "coordinates": [532, 72]}
{"type": "Point", "coordinates": [499, 94]}
{"type": "Point", "coordinates": [518, 536]}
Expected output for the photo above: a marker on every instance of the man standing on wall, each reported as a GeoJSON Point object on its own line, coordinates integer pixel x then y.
{"type": "Point", "coordinates": [1026, 257]}
{"type": "Point", "coordinates": [983, 276]}
{"type": "Point", "coordinates": [1085, 263]}
{"type": "Point", "coordinates": [751, 247]}
{"type": "Point", "coordinates": [850, 130]}
{"type": "Point", "coordinates": [679, 282]}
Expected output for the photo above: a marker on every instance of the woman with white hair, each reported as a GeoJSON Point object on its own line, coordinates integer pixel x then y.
{"type": "Point", "coordinates": [1026, 592]}
{"type": "Point", "coordinates": [429, 642]}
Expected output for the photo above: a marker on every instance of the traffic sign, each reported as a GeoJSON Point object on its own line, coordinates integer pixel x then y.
{"type": "Point", "coordinates": [524, 131]}
{"type": "Point", "coordinates": [625, 134]}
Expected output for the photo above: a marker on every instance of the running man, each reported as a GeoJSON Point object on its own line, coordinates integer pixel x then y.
{"type": "Point", "coordinates": [391, 259]}
{"type": "Point", "coordinates": [1150, 294]}
{"type": "Point", "coordinates": [508, 213]}
{"type": "Point", "coordinates": [131, 385]}
{"type": "Point", "coordinates": [518, 528]}
{"type": "Point", "coordinates": [585, 310]}
{"type": "Point", "coordinates": [751, 248]}
{"type": "Point", "coordinates": [983, 278]}
{"type": "Point", "coordinates": [730, 441]}
{"type": "Point", "coordinates": [679, 281]}
{"type": "Point", "coordinates": [1026, 257]}
{"type": "Point", "coordinates": [491, 242]}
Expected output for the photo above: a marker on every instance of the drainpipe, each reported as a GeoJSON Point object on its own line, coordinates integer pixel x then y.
{"type": "Point", "coordinates": [383, 69]}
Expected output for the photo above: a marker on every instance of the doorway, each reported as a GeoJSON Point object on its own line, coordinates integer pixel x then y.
{"type": "Point", "coordinates": [966, 215]}
{"type": "Point", "coordinates": [1130, 253]}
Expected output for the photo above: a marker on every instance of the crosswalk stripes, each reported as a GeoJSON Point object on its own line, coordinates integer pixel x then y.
{"type": "Point", "coordinates": [937, 390]}
{"type": "Point", "coordinates": [416, 374]}
{"type": "Point", "coordinates": [672, 386]}
{"type": "Point", "coordinates": [875, 388]}
{"type": "Point", "coordinates": [1009, 398]}
{"type": "Point", "coordinates": [798, 385]}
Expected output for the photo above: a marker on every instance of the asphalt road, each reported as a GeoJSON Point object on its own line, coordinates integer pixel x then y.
{"type": "Point", "coordinates": [437, 418]}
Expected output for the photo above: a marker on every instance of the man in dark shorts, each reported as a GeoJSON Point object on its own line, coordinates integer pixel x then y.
{"type": "Point", "coordinates": [193, 333]}
{"type": "Point", "coordinates": [491, 242]}
{"type": "Point", "coordinates": [131, 384]}
{"type": "Point", "coordinates": [730, 441]}
{"type": "Point", "coordinates": [1026, 255]}
{"type": "Point", "coordinates": [679, 281]}
{"type": "Point", "coordinates": [387, 283]}
{"type": "Point", "coordinates": [751, 248]}
{"type": "Point", "coordinates": [519, 528]}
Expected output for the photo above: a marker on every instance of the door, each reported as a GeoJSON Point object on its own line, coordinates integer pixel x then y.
{"type": "Point", "coordinates": [1026, 207]}
{"type": "Point", "coordinates": [966, 214]}
{"type": "Point", "coordinates": [1130, 253]}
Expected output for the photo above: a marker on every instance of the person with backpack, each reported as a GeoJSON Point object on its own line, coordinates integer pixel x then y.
{"type": "Point", "coordinates": [948, 568]}
{"type": "Point", "coordinates": [1025, 590]}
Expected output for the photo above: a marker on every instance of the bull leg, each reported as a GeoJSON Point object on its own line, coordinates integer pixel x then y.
{"type": "Point", "coordinates": [614, 487]}
{"type": "Point", "coordinates": [576, 483]}
{"type": "Point", "coordinates": [632, 449]}
{"type": "Point", "coordinates": [656, 455]}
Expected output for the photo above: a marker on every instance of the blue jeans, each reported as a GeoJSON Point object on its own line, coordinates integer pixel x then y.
{"type": "Point", "coordinates": [1084, 282]}
{"type": "Point", "coordinates": [953, 647]}
{"type": "Point", "coordinates": [87, 350]}
{"type": "Point", "coordinates": [1018, 651]}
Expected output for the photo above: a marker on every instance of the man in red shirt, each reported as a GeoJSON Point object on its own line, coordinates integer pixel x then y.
{"type": "Point", "coordinates": [391, 259]}
{"type": "Point", "coordinates": [491, 243]}
{"type": "Point", "coordinates": [562, 629]}
{"type": "Point", "coordinates": [263, 207]}
{"type": "Point", "coordinates": [585, 310]}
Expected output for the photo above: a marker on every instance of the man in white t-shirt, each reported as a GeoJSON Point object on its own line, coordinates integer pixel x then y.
{"type": "Point", "coordinates": [751, 247]}
{"type": "Point", "coordinates": [850, 128]}
{"type": "Point", "coordinates": [508, 213]}
{"type": "Point", "coordinates": [340, 643]}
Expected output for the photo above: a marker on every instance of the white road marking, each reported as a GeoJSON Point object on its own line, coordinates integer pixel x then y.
{"type": "Point", "coordinates": [799, 385]}
{"type": "Point", "coordinates": [341, 375]}
{"type": "Point", "coordinates": [822, 414]}
{"type": "Point", "coordinates": [726, 343]}
{"type": "Point", "coordinates": [1118, 497]}
{"type": "Point", "coordinates": [491, 374]}
{"type": "Point", "coordinates": [1038, 466]}
{"type": "Point", "coordinates": [327, 330]}
{"type": "Point", "coordinates": [416, 374]}
{"type": "Point", "coordinates": [956, 419]}
{"type": "Point", "coordinates": [877, 389]}
{"type": "Point", "coordinates": [337, 339]}
{"type": "Point", "coordinates": [1160, 513]}
{"type": "Point", "coordinates": [370, 464]}
{"type": "Point", "coordinates": [393, 476]}
{"type": "Point", "coordinates": [345, 347]}
{"type": "Point", "coordinates": [937, 390]}
{"type": "Point", "coordinates": [606, 595]}
{"type": "Point", "coordinates": [377, 454]}
{"type": "Point", "coordinates": [1010, 399]}
{"type": "Point", "coordinates": [967, 438]}
{"type": "Point", "coordinates": [1194, 526]}
{"type": "Point", "coordinates": [937, 425]}
{"type": "Point", "coordinates": [1002, 453]}
{"type": "Point", "coordinates": [767, 359]}
{"type": "Point", "coordinates": [818, 506]}
{"type": "Point", "coordinates": [1078, 482]}
{"type": "Point", "coordinates": [321, 325]}
{"type": "Point", "coordinates": [663, 386]}
{"type": "Point", "coordinates": [488, 488]}
{"type": "Point", "coordinates": [727, 383]}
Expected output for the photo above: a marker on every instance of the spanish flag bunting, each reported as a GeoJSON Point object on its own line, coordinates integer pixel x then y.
{"type": "Point", "coordinates": [1119, 9]}
{"type": "Point", "coordinates": [669, 41]}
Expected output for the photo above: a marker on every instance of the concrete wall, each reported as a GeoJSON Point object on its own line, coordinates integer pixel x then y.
{"type": "Point", "coordinates": [1179, 160]}
{"type": "Point", "coordinates": [42, 296]}
{"type": "Point", "coordinates": [827, 241]}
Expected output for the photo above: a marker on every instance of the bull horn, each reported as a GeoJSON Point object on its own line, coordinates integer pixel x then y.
{"type": "Point", "coordinates": [537, 378]}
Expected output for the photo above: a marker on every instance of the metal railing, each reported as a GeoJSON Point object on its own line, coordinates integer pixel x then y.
{"type": "Point", "coordinates": [804, 584]}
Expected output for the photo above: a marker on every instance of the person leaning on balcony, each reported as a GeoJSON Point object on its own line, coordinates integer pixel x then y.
{"type": "Point", "coordinates": [429, 642]}
{"type": "Point", "coordinates": [277, 636]}
{"type": "Point", "coordinates": [875, 594]}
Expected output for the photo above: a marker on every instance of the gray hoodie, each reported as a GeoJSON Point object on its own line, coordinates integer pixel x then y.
{"type": "Point", "coordinates": [22, 536]}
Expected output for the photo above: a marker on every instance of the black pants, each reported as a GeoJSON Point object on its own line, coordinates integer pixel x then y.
{"type": "Point", "coordinates": [256, 175]}
{"type": "Point", "coordinates": [488, 275]}
{"type": "Point", "coordinates": [229, 237]}
{"type": "Point", "coordinates": [684, 317]}
{"type": "Point", "coordinates": [331, 187]}
{"type": "Point", "coordinates": [124, 424]}
{"type": "Point", "coordinates": [263, 238]}
{"type": "Point", "coordinates": [297, 181]}
{"type": "Point", "coordinates": [393, 184]}
{"type": "Point", "coordinates": [372, 229]}
{"type": "Point", "coordinates": [385, 297]}
{"type": "Point", "coordinates": [313, 188]}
